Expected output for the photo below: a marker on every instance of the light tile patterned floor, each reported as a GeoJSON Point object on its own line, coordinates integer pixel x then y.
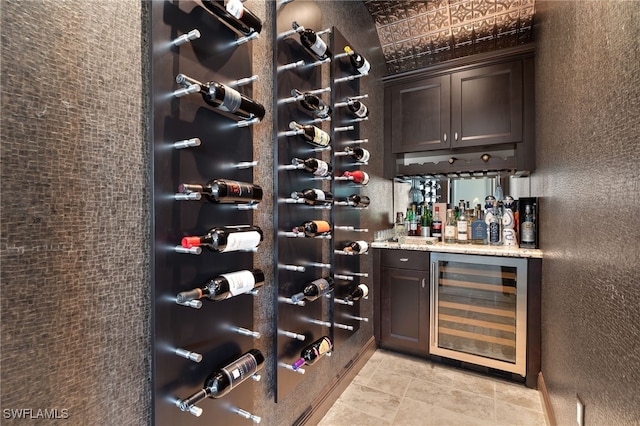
{"type": "Point", "coordinates": [399, 390]}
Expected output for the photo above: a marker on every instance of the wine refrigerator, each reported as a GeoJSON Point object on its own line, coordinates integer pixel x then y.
{"type": "Point", "coordinates": [478, 310]}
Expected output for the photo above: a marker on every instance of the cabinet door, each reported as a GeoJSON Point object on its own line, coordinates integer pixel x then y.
{"type": "Point", "coordinates": [486, 105]}
{"type": "Point", "coordinates": [420, 118]}
{"type": "Point", "coordinates": [404, 306]}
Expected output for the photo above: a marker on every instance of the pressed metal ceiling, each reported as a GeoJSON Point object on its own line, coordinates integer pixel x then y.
{"type": "Point", "coordinates": [415, 34]}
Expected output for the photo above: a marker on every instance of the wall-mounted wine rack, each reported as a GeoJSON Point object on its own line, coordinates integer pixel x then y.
{"type": "Point", "coordinates": [193, 143]}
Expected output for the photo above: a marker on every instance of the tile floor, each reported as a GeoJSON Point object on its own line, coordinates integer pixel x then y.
{"type": "Point", "coordinates": [399, 390]}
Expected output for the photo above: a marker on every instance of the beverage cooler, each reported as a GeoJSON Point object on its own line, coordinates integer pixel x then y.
{"type": "Point", "coordinates": [479, 310]}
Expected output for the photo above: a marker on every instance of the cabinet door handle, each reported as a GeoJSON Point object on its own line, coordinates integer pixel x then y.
{"type": "Point", "coordinates": [445, 137]}
{"type": "Point", "coordinates": [455, 135]}
{"type": "Point", "coordinates": [423, 280]}
{"type": "Point", "coordinates": [404, 259]}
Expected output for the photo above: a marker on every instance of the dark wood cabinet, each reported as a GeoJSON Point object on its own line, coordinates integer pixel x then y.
{"type": "Point", "coordinates": [403, 283]}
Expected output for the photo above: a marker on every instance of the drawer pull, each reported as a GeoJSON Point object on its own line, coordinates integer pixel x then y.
{"type": "Point", "coordinates": [404, 259]}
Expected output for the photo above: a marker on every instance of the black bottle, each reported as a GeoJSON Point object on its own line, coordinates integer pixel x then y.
{"type": "Point", "coordinates": [314, 289]}
{"type": "Point", "coordinates": [312, 104]}
{"type": "Point", "coordinates": [312, 353]}
{"type": "Point", "coordinates": [225, 286]}
{"type": "Point", "coordinates": [313, 228]}
{"type": "Point", "coordinates": [227, 238]}
{"type": "Point", "coordinates": [313, 197]}
{"type": "Point", "coordinates": [225, 191]}
{"type": "Point", "coordinates": [312, 42]}
{"type": "Point", "coordinates": [313, 165]}
{"type": "Point", "coordinates": [234, 14]}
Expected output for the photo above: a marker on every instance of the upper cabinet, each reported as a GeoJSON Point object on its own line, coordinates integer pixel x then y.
{"type": "Point", "coordinates": [468, 105]}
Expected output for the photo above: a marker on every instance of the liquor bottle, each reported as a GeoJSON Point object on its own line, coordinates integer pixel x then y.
{"type": "Point", "coordinates": [313, 228]}
{"type": "Point", "coordinates": [225, 98]}
{"type": "Point", "coordinates": [357, 60]}
{"type": "Point", "coordinates": [225, 286]}
{"type": "Point", "coordinates": [313, 197]}
{"type": "Point", "coordinates": [312, 134]}
{"type": "Point", "coordinates": [359, 292]}
{"type": "Point", "coordinates": [312, 104]}
{"type": "Point", "coordinates": [312, 41]}
{"type": "Point", "coordinates": [357, 247]}
{"type": "Point", "coordinates": [358, 109]}
{"type": "Point", "coordinates": [222, 381]}
{"type": "Point", "coordinates": [358, 176]}
{"type": "Point", "coordinates": [436, 225]}
{"type": "Point", "coordinates": [225, 191]}
{"type": "Point", "coordinates": [313, 165]}
{"type": "Point", "coordinates": [224, 239]}
{"type": "Point", "coordinates": [357, 200]}
{"type": "Point", "coordinates": [461, 226]}
{"type": "Point", "coordinates": [528, 228]}
{"type": "Point", "coordinates": [312, 353]}
{"type": "Point", "coordinates": [508, 223]}
{"type": "Point", "coordinates": [425, 221]}
{"type": "Point", "coordinates": [479, 228]}
{"type": "Point", "coordinates": [233, 13]}
{"type": "Point", "coordinates": [359, 154]}
{"type": "Point", "coordinates": [495, 225]}
{"type": "Point", "coordinates": [450, 228]}
{"type": "Point", "coordinates": [314, 290]}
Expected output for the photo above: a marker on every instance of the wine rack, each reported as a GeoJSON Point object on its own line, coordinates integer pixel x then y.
{"type": "Point", "coordinates": [300, 260]}
{"type": "Point", "coordinates": [193, 143]}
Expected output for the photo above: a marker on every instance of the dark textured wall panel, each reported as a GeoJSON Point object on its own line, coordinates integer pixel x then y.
{"type": "Point", "coordinates": [75, 216]}
{"type": "Point", "coordinates": [587, 124]}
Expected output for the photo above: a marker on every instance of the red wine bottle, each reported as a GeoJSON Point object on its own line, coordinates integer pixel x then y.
{"type": "Point", "coordinates": [357, 293]}
{"type": "Point", "coordinates": [313, 197]}
{"type": "Point", "coordinates": [357, 108]}
{"type": "Point", "coordinates": [314, 290]}
{"type": "Point", "coordinates": [312, 134]}
{"type": "Point", "coordinates": [312, 104]}
{"type": "Point", "coordinates": [312, 41]}
{"type": "Point", "coordinates": [225, 286]}
{"type": "Point", "coordinates": [357, 200]}
{"type": "Point", "coordinates": [358, 176]}
{"type": "Point", "coordinates": [357, 247]}
{"type": "Point", "coordinates": [359, 154]}
{"type": "Point", "coordinates": [227, 238]}
{"type": "Point", "coordinates": [234, 14]}
{"type": "Point", "coordinates": [222, 381]}
{"type": "Point", "coordinates": [225, 191]}
{"type": "Point", "coordinates": [358, 61]}
{"type": "Point", "coordinates": [312, 353]}
{"type": "Point", "coordinates": [313, 228]}
{"type": "Point", "coordinates": [313, 165]}
{"type": "Point", "coordinates": [225, 98]}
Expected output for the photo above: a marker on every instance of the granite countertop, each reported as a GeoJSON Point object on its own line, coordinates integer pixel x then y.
{"type": "Point", "coordinates": [461, 248]}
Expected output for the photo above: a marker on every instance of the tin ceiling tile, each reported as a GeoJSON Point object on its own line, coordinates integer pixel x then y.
{"type": "Point", "coordinates": [461, 12]}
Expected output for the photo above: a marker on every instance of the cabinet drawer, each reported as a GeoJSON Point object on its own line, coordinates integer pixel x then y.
{"type": "Point", "coordinates": [405, 259]}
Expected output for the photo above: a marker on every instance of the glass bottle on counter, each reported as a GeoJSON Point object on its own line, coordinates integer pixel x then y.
{"type": "Point", "coordinates": [450, 231]}
{"type": "Point", "coordinates": [312, 353]}
{"type": "Point", "coordinates": [508, 223]}
{"type": "Point", "coordinates": [528, 228]}
{"type": "Point", "coordinates": [436, 225]}
{"type": "Point", "coordinates": [425, 221]}
{"type": "Point", "coordinates": [495, 225]}
{"type": "Point", "coordinates": [225, 286]}
{"type": "Point", "coordinates": [479, 228]}
{"type": "Point", "coordinates": [225, 191]}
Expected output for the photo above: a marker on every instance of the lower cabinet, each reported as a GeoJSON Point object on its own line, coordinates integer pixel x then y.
{"type": "Point", "coordinates": [403, 281]}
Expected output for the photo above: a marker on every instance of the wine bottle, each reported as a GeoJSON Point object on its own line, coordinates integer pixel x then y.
{"type": "Point", "coordinates": [225, 191]}
{"type": "Point", "coordinates": [436, 225]}
{"type": "Point", "coordinates": [225, 286]}
{"type": "Point", "coordinates": [494, 228]}
{"type": "Point", "coordinates": [528, 227]}
{"type": "Point", "coordinates": [227, 238]}
{"type": "Point", "coordinates": [358, 176]}
{"type": "Point", "coordinates": [234, 14]}
{"type": "Point", "coordinates": [313, 197]}
{"type": "Point", "coordinates": [313, 228]}
{"type": "Point", "coordinates": [222, 381]}
{"type": "Point", "coordinates": [358, 109]}
{"type": "Point", "coordinates": [357, 247]}
{"type": "Point", "coordinates": [359, 154]}
{"type": "Point", "coordinates": [312, 353]}
{"type": "Point", "coordinates": [312, 41]}
{"type": "Point", "coordinates": [225, 98]}
{"type": "Point", "coordinates": [313, 165]}
{"type": "Point", "coordinates": [314, 289]}
{"type": "Point", "coordinates": [358, 292]}
{"type": "Point", "coordinates": [312, 134]}
{"type": "Point", "coordinates": [312, 104]}
{"type": "Point", "coordinates": [357, 200]}
{"type": "Point", "coordinates": [358, 61]}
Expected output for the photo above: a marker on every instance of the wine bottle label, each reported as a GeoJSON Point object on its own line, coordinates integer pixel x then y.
{"type": "Point", "coordinates": [239, 190]}
{"type": "Point", "coordinates": [364, 246]}
{"type": "Point", "coordinates": [320, 137]}
{"type": "Point", "coordinates": [494, 232]}
{"type": "Point", "coordinates": [478, 230]}
{"type": "Point", "coordinates": [242, 241]}
{"type": "Point", "coordinates": [319, 194]}
{"type": "Point", "coordinates": [364, 68]}
{"type": "Point", "coordinates": [322, 169]}
{"type": "Point", "coordinates": [362, 111]}
{"type": "Point", "coordinates": [324, 347]}
{"type": "Point", "coordinates": [528, 233]}
{"type": "Point", "coordinates": [322, 226]}
{"type": "Point", "coordinates": [241, 369]}
{"type": "Point", "coordinates": [235, 8]}
{"type": "Point", "coordinates": [239, 282]}
{"type": "Point", "coordinates": [322, 284]}
{"type": "Point", "coordinates": [365, 156]}
{"type": "Point", "coordinates": [449, 231]}
{"type": "Point", "coordinates": [319, 47]}
{"type": "Point", "coordinates": [231, 101]}
{"type": "Point", "coordinates": [462, 230]}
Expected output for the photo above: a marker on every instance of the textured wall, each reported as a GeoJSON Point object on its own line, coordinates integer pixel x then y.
{"type": "Point", "coordinates": [75, 212]}
{"type": "Point", "coordinates": [588, 127]}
